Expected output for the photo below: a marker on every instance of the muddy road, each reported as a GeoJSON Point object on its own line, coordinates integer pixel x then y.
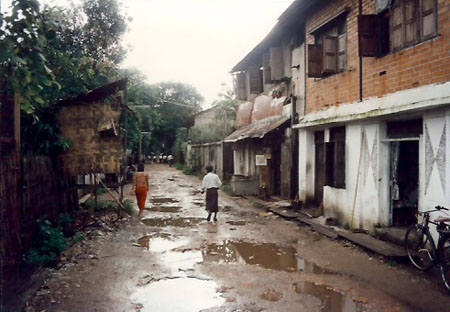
{"type": "Point", "coordinates": [174, 260]}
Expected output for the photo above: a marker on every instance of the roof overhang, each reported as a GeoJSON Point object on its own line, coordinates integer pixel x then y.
{"type": "Point", "coordinates": [258, 129]}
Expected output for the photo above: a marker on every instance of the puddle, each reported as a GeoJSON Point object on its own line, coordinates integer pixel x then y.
{"type": "Point", "coordinates": [178, 222]}
{"type": "Point", "coordinates": [179, 294]}
{"type": "Point", "coordinates": [162, 200]}
{"type": "Point", "coordinates": [227, 209]}
{"type": "Point", "coordinates": [332, 301]}
{"type": "Point", "coordinates": [271, 295]}
{"type": "Point", "coordinates": [164, 208]}
{"type": "Point", "coordinates": [237, 222]}
{"type": "Point", "coordinates": [182, 261]}
{"type": "Point", "coordinates": [143, 241]}
{"type": "Point", "coordinates": [160, 244]}
{"type": "Point", "coordinates": [266, 255]}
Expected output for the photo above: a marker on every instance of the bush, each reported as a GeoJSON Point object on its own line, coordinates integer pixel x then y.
{"type": "Point", "coordinates": [179, 166]}
{"type": "Point", "coordinates": [187, 170]}
{"type": "Point", "coordinates": [102, 205]}
{"type": "Point", "coordinates": [227, 188]}
{"type": "Point", "coordinates": [50, 242]}
{"type": "Point", "coordinates": [128, 206]}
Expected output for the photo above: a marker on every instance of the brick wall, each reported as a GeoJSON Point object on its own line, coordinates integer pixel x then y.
{"type": "Point", "coordinates": [425, 63]}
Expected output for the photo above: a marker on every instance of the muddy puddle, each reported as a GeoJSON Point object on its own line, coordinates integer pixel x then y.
{"type": "Point", "coordinates": [177, 222]}
{"type": "Point", "coordinates": [266, 255]}
{"type": "Point", "coordinates": [162, 200]}
{"type": "Point", "coordinates": [238, 222]}
{"type": "Point", "coordinates": [331, 300]}
{"type": "Point", "coordinates": [178, 294]}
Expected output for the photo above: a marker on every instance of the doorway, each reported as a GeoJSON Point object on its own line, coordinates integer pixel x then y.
{"type": "Point", "coordinates": [404, 178]}
{"type": "Point", "coordinates": [319, 165]}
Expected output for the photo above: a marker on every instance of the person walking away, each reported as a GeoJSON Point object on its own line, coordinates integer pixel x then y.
{"type": "Point", "coordinates": [140, 187]}
{"type": "Point", "coordinates": [211, 183]}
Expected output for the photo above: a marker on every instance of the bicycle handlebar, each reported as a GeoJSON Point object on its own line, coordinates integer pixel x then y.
{"type": "Point", "coordinates": [441, 208]}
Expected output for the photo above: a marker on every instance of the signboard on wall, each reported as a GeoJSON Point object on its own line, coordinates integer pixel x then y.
{"type": "Point", "coordinates": [261, 160]}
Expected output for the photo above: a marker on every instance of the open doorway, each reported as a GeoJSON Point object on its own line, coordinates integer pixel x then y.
{"type": "Point", "coordinates": [404, 182]}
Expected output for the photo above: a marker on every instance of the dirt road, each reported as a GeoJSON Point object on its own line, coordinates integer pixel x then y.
{"type": "Point", "coordinates": [174, 260]}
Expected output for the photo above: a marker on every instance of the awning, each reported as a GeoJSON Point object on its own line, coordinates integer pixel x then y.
{"type": "Point", "coordinates": [257, 129]}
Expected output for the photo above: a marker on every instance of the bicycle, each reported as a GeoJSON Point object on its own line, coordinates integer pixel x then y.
{"type": "Point", "coordinates": [421, 248]}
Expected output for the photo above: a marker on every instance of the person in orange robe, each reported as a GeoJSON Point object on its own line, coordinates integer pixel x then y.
{"type": "Point", "coordinates": [140, 187]}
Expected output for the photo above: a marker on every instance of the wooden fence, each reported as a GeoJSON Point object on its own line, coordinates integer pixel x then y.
{"type": "Point", "coordinates": [37, 191]}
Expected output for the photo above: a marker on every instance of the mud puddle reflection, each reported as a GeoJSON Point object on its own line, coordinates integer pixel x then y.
{"type": "Point", "coordinates": [266, 255]}
{"type": "Point", "coordinates": [179, 294]}
{"type": "Point", "coordinates": [178, 222]}
{"type": "Point", "coordinates": [164, 204]}
{"type": "Point", "coordinates": [332, 301]}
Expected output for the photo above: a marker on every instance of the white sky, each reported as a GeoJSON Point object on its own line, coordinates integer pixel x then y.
{"type": "Point", "coordinates": [195, 41]}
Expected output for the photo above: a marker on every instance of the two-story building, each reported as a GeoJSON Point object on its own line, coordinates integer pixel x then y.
{"type": "Point", "coordinates": [370, 80]}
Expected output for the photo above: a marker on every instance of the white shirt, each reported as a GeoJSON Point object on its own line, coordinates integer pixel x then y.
{"type": "Point", "coordinates": [211, 180]}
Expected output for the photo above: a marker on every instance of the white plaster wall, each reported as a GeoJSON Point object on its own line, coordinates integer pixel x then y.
{"type": "Point", "coordinates": [306, 164]}
{"type": "Point", "coordinates": [369, 205]}
{"type": "Point", "coordinates": [384, 195]}
{"type": "Point", "coordinates": [435, 168]}
{"type": "Point", "coordinates": [298, 77]}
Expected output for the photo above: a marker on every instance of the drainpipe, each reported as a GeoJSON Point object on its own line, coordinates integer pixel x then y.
{"type": "Point", "coordinates": [360, 61]}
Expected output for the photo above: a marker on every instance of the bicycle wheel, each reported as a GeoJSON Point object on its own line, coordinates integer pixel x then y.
{"type": "Point", "coordinates": [420, 248]}
{"type": "Point", "coordinates": [445, 263]}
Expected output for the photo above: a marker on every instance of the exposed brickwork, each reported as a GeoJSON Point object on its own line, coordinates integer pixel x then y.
{"type": "Point", "coordinates": [425, 63]}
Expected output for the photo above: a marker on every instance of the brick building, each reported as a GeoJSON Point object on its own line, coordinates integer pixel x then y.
{"type": "Point", "coordinates": [369, 83]}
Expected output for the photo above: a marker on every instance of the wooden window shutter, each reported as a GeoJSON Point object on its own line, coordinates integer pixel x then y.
{"type": "Point", "coordinates": [411, 29]}
{"type": "Point", "coordinates": [267, 72]}
{"type": "Point", "coordinates": [241, 86]}
{"type": "Point", "coordinates": [276, 63]}
{"type": "Point", "coordinates": [339, 164]}
{"type": "Point", "coordinates": [428, 11]}
{"type": "Point", "coordinates": [255, 80]}
{"type": "Point", "coordinates": [342, 51]}
{"type": "Point", "coordinates": [367, 32]}
{"type": "Point", "coordinates": [397, 26]}
{"type": "Point", "coordinates": [315, 60]}
{"type": "Point", "coordinates": [329, 54]}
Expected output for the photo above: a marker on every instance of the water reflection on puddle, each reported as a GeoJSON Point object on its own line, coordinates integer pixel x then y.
{"type": "Point", "coordinates": [178, 222]}
{"type": "Point", "coordinates": [164, 204]}
{"type": "Point", "coordinates": [180, 294]}
{"type": "Point", "coordinates": [237, 222]}
{"type": "Point", "coordinates": [162, 200]}
{"type": "Point", "coordinates": [332, 301]}
{"type": "Point", "coordinates": [266, 255]}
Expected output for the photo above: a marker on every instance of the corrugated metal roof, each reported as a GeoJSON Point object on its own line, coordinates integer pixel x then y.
{"type": "Point", "coordinates": [257, 129]}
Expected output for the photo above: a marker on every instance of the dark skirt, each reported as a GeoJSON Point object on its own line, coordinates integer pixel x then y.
{"type": "Point", "coordinates": [212, 198]}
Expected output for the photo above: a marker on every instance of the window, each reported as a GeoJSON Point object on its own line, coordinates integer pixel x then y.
{"type": "Point", "coordinates": [403, 24]}
{"type": "Point", "coordinates": [328, 55]}
{"type": "Point", "coordinates": [335, 158]}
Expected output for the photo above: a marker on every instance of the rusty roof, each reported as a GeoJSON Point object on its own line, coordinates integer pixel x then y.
{"type": "Point", "coordinates": [257, 130]}
{"type": "Point", "coordinates": [97, 93]}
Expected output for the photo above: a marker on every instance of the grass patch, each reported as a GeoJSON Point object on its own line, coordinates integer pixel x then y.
{"type": "Point", "coordinates": [226, 187]}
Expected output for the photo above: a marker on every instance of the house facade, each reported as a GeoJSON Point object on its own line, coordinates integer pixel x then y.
{"type": "Point", "coordinates": [368, 82]}
{"type": "Point", "coordinates": [373, 139]}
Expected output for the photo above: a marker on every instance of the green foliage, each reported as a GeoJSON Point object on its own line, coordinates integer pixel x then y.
{"type": "Point", "coordinates": [227, 188]}
{"type": "Point", "coordinates": [77, 237]}
{"type": "Point", "coordinates": [50, 242]}
{"type": "Point", "coordinates": [188, 171]}
{"type": "Point", "coordinates": [64, 218]}
{"type": "Point", "coordinates": [102, 205]}
{"type": "Point", "coordinates": [178, 166]}
{"type": "Point", "coordinates": [128, 206]}
{"type": "Point", "coordinates": [162, 109]}
{"type": "Point", "coordinates": [179, 148]}
{"type": "Point", "coordinates": [101, 191]}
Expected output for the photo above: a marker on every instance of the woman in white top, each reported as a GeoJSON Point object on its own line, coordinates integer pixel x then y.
{"type": "Point", "coordinates": [211, 183]}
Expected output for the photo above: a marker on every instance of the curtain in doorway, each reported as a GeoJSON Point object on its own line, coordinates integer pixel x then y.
{"type": "Point", "coordinates": [395, 150]}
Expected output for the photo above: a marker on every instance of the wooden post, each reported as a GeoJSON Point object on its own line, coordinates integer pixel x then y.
{"type": "Point", "coordinates": [96, 191]}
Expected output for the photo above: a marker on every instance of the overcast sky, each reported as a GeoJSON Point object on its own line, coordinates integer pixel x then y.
{"type": "Point", "coordinates": [195, 41]}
